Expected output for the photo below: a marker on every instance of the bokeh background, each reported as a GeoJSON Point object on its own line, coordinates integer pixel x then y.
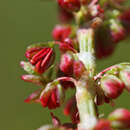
{"type": "Point", "coordinates": [21, 23]}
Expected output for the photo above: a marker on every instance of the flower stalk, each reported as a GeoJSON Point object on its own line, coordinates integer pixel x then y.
{"type": "Point", "coordinates": [85, 88]}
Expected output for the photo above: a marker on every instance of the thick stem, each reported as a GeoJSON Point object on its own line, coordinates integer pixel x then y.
{"type": "Point", "coordinates": [85, 88]}
{"type": "Point", "coordinates": [86, 46]}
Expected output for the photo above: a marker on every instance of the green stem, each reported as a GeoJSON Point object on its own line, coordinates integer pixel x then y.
{"type": "Point", "coordinates": [86, 46]}
{"type": "Point", "coordinates": [85, 88]}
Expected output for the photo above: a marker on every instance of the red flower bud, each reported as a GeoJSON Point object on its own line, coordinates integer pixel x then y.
{"type": "Point", "coordinates": [71, 110]}
{"type": "Point", "coordinates": [33, 79]}
{"type": "Point", "coordinates": [70, 5]}
{"type": "Point", "coordinates": [117, 30]}
{"type": "Point", "coordinates": [125, 19]}
{"type": "Point", "coordinates": [125, 77]}
{"type": "Point", "coordinates": [103, 125]}
{"type": "Point", "coordinates": [78, 68]}
{"type": "Point", "coordinates": [120, 118]}
{"type": "Point", "coordinates": [65, 16]}
{"type": "Point", "coordinates": [103, 44]}
{"type": "Point", "coordinates": [111, 86]}
{"type": "Point", "coordinates": [41, 58]}
{"type": "Point", "coordinates": [61, 32]}
{"type": "Point", "coordinates": [34, 97]}
{"type": "Point", "coordinates": [118, 35]}
{"type": "Point", "coordinates": [66, 64]}
{"type": "Point", "coordinates": [103, 50]}
{"type": "Point", "coordinates": [64, 46]}
{"type": "Point", "coordinates": [51, 100]}
{"type": "Point", "coordinates": [106, 99]}
{"type": "Point", "coordinates": [52, 96]}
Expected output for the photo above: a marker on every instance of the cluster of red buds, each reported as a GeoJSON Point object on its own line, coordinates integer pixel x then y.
{"type": "Point", "coordinates": [69, 62]}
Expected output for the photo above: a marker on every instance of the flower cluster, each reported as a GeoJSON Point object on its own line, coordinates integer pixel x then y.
{"type": "Point", "coordinates": [69, 62]}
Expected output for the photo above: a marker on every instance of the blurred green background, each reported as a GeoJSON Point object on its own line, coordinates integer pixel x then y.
{"type": "Point", "coordinates": [21, 23]}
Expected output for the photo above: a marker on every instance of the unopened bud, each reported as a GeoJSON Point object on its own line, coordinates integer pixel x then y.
{"type": "Point", "coordinates": [125, 19]}
{"type": "Point", "coordinates": [70, 5]}
{"type": "Point", "coordinates": [41, 58]}
{"type": "Point", "coordinates": [103, 125]}
{"type": "Point", "coordinates": [111, 86]}
{"type": "Point", "coordinates": [33, 79]}
{"type": "Point", "coordinates": [72, 110]}
{"type": "Point", "coordinates": [61, 32]}
{"type": "Point", "coordinates": [64, 16]}
{"type": "Point", "coordinates": [78, 68]}
{"type": "Point", "coordinates": [104, 46]}
{"type": "Point", "coordinates": [52, 96]}
{"type": "Point", "coordinates": [64, 47]}
{"type": "Point", "coordinates": [66, 64]}
{"type": "Point", "coordinates": [34, 97]}
{"type": "Point", "coordinates": [117, 30]}
{"type": "Point", "coordinates": [120, 118]}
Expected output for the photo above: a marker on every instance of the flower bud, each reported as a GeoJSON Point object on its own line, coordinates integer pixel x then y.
{"type": "Point", "coordinates": [125, 77]}
{"type": "Point", "coordinates": [104, 46]}
{"type": "Point", "coordinates": [125, 19]}
{"type": "Point", "coordinates": [64, 46]}
{"type": "Point", "coordinates": [34, 97]}
{"type": "Point", "coordinates": [66, 64]}
{"type": "Point", "coordinates": [103, 125]}
{"type": "Point", "coordinates": [52, 96]}
{"type": "Point", "coordinates": [117, 31]}
{"type": "Point", "coordinates": [71, 110]}
{"type": "Point", "coordinates": [33, 79]}
{"type": "Point", "coordinates": [61, 32]}
{"type": "Point", "coordinates": [111, 86]}
{"type": "Point", "coordinates": [41, 58]}
{"type": "Point", "coordinates": [120, 118]}
{"type": "Point", "coordinates": [103, 50]}
{"type": "Point", "coordinates": [70, 5]}
{"type": "Point", "coordinates": [78, 68]}
{"type": "Point", "coordinates": [64, 16]}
